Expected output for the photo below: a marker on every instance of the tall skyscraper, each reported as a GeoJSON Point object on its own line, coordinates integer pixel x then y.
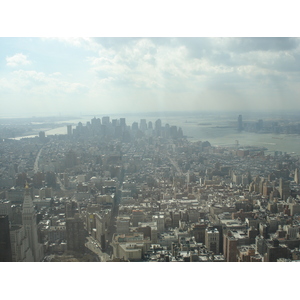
{"type": "Point", "coordinates": [21, 251]}
{"type": "Point", "coordinates": [75, 234]}
{"type": "Point", "coordinates": [123, 123]}
{"type": "Point", "coordinates": [143, 125]}
{"type": "Point", "coordinates": [5, 245]}
{"type": "Point", "coordinates": [296, 176]}
{"type": "Point", "coordinates": [30, 226]}
{"type": "Point", "coordinates": [96, 122]}
{"type": "Point", "coordinates": [240, 123]}
{"type": "Point", "coordinates": [284, 189]}
{"type": "Point", "coordinates": [105, 120]}
{"type": "Point", "coordinates": [42, 135]}
{"type": "Point", "coordinates": [69, 129]}
{"type": "Point", "coordinates": [135, 126]}
{"type": "Point", "coordinates": [157, 127]}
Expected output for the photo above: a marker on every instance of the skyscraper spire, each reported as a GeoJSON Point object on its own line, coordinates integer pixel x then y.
{"type": "Point", "coordinates": [28, 204]}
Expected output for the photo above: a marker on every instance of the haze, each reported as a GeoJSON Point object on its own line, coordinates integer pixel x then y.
{"type": "Point", "coordinates": [67, 76]}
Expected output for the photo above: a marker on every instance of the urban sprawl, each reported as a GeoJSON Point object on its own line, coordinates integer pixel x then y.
{"type": "Point", "coordinates": [107, 191]}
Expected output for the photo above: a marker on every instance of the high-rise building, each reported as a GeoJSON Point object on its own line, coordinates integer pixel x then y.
{"type": "Point", "coordinates": [5, 246]}
{"type": "Point", "coordinates": [5, 208]}
{"type": "Point", "coordinates": [260, 125]}
{"type": "Point", "coordinates": [212, 240]}
{"type": "Point", "coordinates": [42, 135]}
{"type": "Point", "coordinates": [105, 120]}
{"type": "Point", "coordinates": [123, 123]}
{"type": "Point", "coordinates": [95, 123]}
{"type": "Point", "coordinates": [160, 222]}
{"type": "Point", "coordinates": [157, 127]}
{"type": "Point", "coordinates": [296, 176]}
{"type": "Point", "coordinates": [230, 247]}
{"type": "Point", "coordinates": [114, 122]}
{"type": "Point", "coordinates": [21, 251]}
{"type": "Point", "coordinates": [180, 132]}
{"type": "Point", "coordinates": [135, 126]}
{"type": "Point", "coordinates": [69, 130]}
{"type": "Point", "coordinates": [75, 234]}
{"type": "Point", "coordinates": [70, 209]}
{"type": "Point", "coordinates": [240, 123]}
{"type": "Point", "coordinates": [158, 124]}
{"type": "Point", "coordinates": [275, 251]}
{"type": "Point", "coordinates": [30, 226]}
{"type": "Point", "coordinates": [284, 189]}
{"type": "Point", "coordinates": [173, 132]}
{"type": "Point", "coordinates": [143, 125]}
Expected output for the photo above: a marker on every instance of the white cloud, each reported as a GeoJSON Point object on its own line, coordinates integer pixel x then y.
{"type": "Point", "coordinates": [32, 84]}
{"type": "Point", "coordinates": [136, 73]}
{"type": "Point", "coordinates": [86, 43]}
{"type": "Point", "coordinates": [16, 60]}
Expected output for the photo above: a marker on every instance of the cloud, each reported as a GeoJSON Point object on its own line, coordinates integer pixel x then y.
{"type": "Point", "coordinates": [86, 43]}
{"type": "Point", "coordinates": [143, 64]}
{"type": "Point", "coordinates": [167, 73]}
{"type": "Point", "coordinates": [262, 44]}
{"type": "Point", "coordinates": [33, 84]}
{"type": "Point", "coordinates": [44, 83]}
{"type": "Point", "coordinates": [16, 60]}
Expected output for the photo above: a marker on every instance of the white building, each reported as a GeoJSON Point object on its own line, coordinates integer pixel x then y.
{"type": "Point", "coordinates": [20, 249]}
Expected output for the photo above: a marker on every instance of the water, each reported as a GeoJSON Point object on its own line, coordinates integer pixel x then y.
{"type": "Point", "coordinates": [219, 130]}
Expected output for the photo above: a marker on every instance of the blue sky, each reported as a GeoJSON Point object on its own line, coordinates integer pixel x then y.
{"type": "Point", "coordinates": [67, 76]}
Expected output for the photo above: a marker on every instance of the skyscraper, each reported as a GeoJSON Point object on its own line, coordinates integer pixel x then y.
{"type": "Point", "coordinates": [75, 234]}
{"type": "Point", "coordinates": [42, 135]}
{"type": "Point", "coordinates": [284, 189]}
{"type": "Point", "coordinates": [69, 129]}
{"type": "Point", "coordinates": [143, 125]}
{"type": "Point", "coordinates": [105, 120]}
{"type": "Point", "coordinates": [30, 226]}
{"type": "Point", "coordinates": [240, 123]}
{"type": "Point", "coordinates": [158, 127]}
{"type": "Point", "coordinates": [5, 246]}
{"type": "Point", "coordinates": [296, 176]}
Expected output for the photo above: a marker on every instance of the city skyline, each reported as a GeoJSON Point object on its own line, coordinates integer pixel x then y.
{"type": "Point", "coordinates": [52, 76]}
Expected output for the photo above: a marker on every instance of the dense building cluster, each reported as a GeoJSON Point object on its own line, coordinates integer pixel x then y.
{"type": "Point", "coordinates": [108, 191]}
{"type": "Point", "coordinates": [283, 126]}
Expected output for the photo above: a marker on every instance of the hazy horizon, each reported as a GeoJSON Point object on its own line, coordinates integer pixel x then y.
{"type": "Point", "coordinates": [76, 76]}
{"type": "Point", "coordinates": [140, 114]}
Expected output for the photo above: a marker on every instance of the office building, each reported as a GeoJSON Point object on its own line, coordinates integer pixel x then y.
{"type": "Point", "coordinates": [105, 120]}
{"type": "Point", "coordinates": [5, 246]}
{"type": "Point", "coordinates": [69, 130]}
{"type": "Point", "coordinates": [284, 189]}
{"type": "Point", "coordinates": [75, 234]}
{"type": "Point", "coordinates": [296, 176]}
{"type": "Point", "coordinates": [240, 123]}
{"type": "Point", "coordinates": [212, 240]}
{"type": "Point", "coordinates": [21, 251]}
{"type": "Point", "coordinates": [30, 226]}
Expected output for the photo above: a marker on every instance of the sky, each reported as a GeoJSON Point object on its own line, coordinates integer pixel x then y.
{"type": "Point", "coordinates": [67, 76]}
